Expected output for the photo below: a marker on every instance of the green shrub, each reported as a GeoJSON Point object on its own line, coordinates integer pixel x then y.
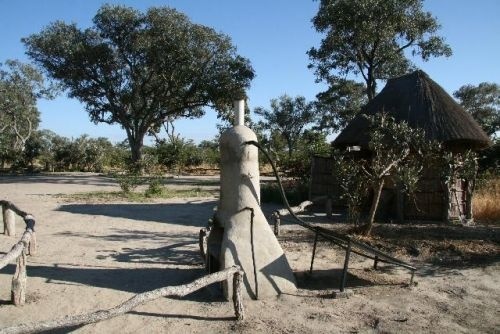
{"type": "Point", "coordinates": [155, 187]}
{"type": "Point", "coordinates": [128, 181]}
{"type": "Point", "coordinates": [295, 192]}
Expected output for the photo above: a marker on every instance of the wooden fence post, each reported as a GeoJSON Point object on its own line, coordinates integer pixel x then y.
{"type": "Point", "coordinates": [9, 221]}
{"type": "Point", "coordinates": [239, 311]}
{"type": "Point", "coordinates": [18, 290]}
{"type": "Point", "coordinates": [277, 223]}
{"type": "Point", "coordinates": [32, 244]}
{"type": "Point", "coordinates": [328, 207]}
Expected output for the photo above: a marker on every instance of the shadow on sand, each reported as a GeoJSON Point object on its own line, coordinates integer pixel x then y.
{"type": "Point", "coordinates": [134, 280]}
{"type": "Point", "coordinates": [76, 179]}
{"type": "Point", "coordinates": [191, 213]}
{"type": "Point", "coordinates": [328, 279]}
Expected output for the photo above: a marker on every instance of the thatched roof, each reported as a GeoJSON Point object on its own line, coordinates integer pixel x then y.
{"type": "Point", "coordinates": [422, 103]}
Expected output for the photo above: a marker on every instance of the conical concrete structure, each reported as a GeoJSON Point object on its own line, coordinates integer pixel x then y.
{"type": "Point", "coordinates": [241, 229]}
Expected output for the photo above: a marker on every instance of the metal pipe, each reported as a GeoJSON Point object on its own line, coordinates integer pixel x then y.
{"type": "Point", "coordinates": [412, 276]}
{"type": "Point", "coordinates": [314, 252]}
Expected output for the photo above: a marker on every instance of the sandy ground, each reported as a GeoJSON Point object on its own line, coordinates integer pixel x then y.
{"type": "Point", "coordinates": [95, 255]}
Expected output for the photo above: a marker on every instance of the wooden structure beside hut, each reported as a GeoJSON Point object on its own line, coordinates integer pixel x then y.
{"type": "Point", "coordinates": [422, 103]}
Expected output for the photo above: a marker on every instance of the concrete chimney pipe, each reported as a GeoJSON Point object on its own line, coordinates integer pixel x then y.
{"type": "Point", "coordinates": [239, 112]}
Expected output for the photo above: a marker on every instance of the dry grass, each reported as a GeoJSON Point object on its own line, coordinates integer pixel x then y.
{"type": "Point", "coordinates": [486, 202]}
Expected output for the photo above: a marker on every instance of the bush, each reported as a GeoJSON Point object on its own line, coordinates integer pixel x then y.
{"type": "Point", "coordinates": [296, 193]}
{"type": "Point", "coordinates": [128, 181]}
{"type": "Point", "coordinates": [155, 187]}
{"type": "Point", "coordinates": [178, 153]}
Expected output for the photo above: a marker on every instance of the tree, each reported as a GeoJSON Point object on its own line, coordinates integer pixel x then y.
{"type": "Point", "coordinates": [90, 154]}
{"type": "Point", "coordinates": [464, 166]}
{"type": "Point", "coordinates": [33, 149]}
{"type": "Point", "coordinates": [370, 38]}
{"type": "Point", "coordinates": [43, 148]}
{"type": "Point", "coordinates": [309, 144]}
{"type": "Point", "coordinates": [210, 151]}
{"type": "Point", "coordinates": [352, 180]}
{"type": "Point", "coordinates": [21, 85]}
{"type": "Point", "coordinates": [394, 147]}
{"type": "Point", "coordinates": [483, 103]}
{"type": "Point", "coordinates": [61, 152]}
{"type": "Point", "coordinates": [288, 116]}
{"type": "Point", "coordinates": [338, 105]}
{"type": "Point", "coordinates": [178, 153]}
{"type": "Point", "coordinates": [141, 69]}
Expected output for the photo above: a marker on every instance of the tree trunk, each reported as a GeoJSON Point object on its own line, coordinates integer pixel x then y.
{"type": "Point", "coordinates": [371, 85]}
{"type": "Point", "coordinates": [373, 209]}
{"type": "Point", "coordinates": [136, 144]}
{"type": "Point", "coordinates": [289, 143]}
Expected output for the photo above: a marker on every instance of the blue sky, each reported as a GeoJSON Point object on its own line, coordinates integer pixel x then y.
{"type": "Point", "coordinates": [273, 34]}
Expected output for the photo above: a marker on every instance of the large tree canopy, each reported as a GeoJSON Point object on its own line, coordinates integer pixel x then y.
{"type": "Point", "coordinates": [483, 103]}
{"type": "Point", "coordinates": [140, 69]}
{"type": "Point", "coordinates": [371, 38]}
{"type": "Point", "coordinates": [20, 87]}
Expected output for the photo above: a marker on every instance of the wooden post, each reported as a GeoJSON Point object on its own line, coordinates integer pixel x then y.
{"type": "Point", "coordinates": [277, 223]}
{"type": "Point", "coordinates": [328, 207]}
{"type": "Point", "coordinates": [32, 244]}
{"type": "Point", "coordinates": [18, 290]}
{"type": "Point", "coordinates": [9, 221]}
{"type": "Point", "coordinates": [239, 311]}
{"type": "Point", "coordinates": [201, 244]}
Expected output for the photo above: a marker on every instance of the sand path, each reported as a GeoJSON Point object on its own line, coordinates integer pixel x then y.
{"type": "Point", "coordinates": [96, 255]}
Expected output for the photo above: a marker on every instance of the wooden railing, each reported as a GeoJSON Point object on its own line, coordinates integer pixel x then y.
{"type": "Point", "coordinates": [234, 272]}
{"type": "Point", "coordinates": [25, 246]}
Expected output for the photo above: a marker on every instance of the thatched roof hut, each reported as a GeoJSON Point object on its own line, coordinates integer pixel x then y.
{"type": "Point", "coordinates": [422, 103]}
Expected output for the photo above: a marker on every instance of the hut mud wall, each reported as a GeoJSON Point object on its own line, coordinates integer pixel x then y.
{"type": "Point", "coordinates": [429, 203]}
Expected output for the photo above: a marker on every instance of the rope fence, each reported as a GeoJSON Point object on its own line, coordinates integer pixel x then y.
{"type": "Point", "coordinates": [25, 246]}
